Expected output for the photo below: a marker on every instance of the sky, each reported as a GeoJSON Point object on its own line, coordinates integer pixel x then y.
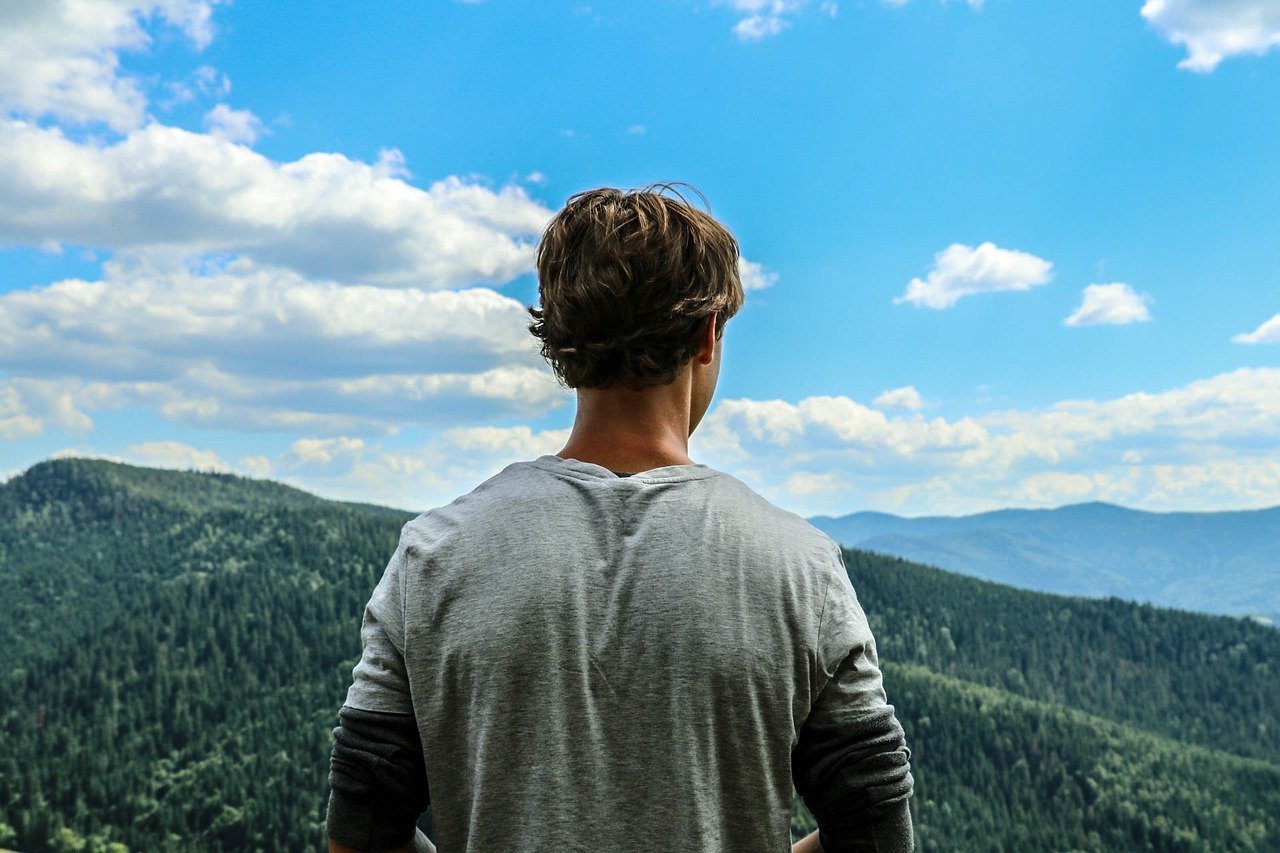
{"type": "Point", "coordinates": [996, 253]}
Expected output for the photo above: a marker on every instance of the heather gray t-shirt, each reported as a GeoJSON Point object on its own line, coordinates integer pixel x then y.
{"type": "Point", "coordinates": [598, 662]}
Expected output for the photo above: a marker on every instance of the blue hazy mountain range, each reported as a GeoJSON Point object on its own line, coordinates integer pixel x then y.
{"type": "Point", "coordinates": [1214, 562]}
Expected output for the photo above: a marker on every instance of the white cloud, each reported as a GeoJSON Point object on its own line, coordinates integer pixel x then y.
{"type": "Point", "coordinates": [1114, 304]}
{"type": "Point", "coordinates": [755, 276]}
{"type": "Point", "coordinates": [174, 454]}
{"type": "Point", "coordinates": [255, 466]}
{"type": "Point", "coordinates": [323, 452]}
{"type": "Point", "coordinates": [1206, 445]}
{"type": "Point", "coordinates": [147, 319]}
{"type": "Point", "coordinates": [757, 27]}
{"type": "Point", "coordinates": [637, 130]}
{"type": "Point", "coordinates": [322, 215]}
{"type": "Point", "coordinates": [325, 296]}
{"type": "Point", "coordinates": [1267, 333]}
{"type": "Point", "coordinates": [961, 270]}
{"type": "Point", "coordinates": [242, 347]}
{"type": "Point", "coordinates": [1242, 406]}
{"type": "Point", "coordinates": [906, 397]}
{"type": "Point", "coordinates": [447, 464]}
{"type": "Point", "coordinates": [1055, 487]}
{"type": "Point", "coordinates": [207, 397]}
{"type": "Point", "coordinates": [516, 442]}
{"type": "Point", "coordinates": [1251, 481]}
{"type": "Point", "coordinates": [16, 420]}
{"type": "Point", "coordinates": [806, 483]}
{"type": "Point", "coordinates": [60, 58]}
{"type": "Point", "coordinates": [1214, 30]}
{"type": "Point", "coordinates": [29, 407]}
{"type": "Point", "coordinates": [1217, 431]}
{"type": "Point", "coordinates": [762, 18]}
{"type": "Point", "coordinates": [233, 125]}
{"type": "Point", "coordinates": [835, 423]}
{"type": "Point", "coordinates": [205, 80]}
{"type": "Point", "coordinates": [976, 5]}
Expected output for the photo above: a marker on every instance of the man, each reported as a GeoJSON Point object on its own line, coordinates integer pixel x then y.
{"type": "Point", "coordinates": [614, 647]}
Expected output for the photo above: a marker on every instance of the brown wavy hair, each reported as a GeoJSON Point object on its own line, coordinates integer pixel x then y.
{"type": "Point", "coordinates": [626, 280]}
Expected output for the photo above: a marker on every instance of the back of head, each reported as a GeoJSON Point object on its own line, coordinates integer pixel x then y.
{"type": "Point", "coordinates": [626, 279]}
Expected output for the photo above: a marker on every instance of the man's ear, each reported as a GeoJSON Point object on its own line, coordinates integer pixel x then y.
{"type": "Point", "coordinates": [707, 346]}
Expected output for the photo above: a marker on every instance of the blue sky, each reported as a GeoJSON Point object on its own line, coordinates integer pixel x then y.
{"type": "Point", "coordinates": [999, 253]}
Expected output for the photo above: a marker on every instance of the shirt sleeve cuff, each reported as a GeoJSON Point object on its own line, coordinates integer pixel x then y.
{"type": "Point", "coordinates": [356, 824]}
{"type": "Point", "coordinates": [888, 832]}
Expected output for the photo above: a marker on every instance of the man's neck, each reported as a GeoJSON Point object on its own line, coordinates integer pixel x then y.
{"type": "Point", "coordinates": [626, 430]}
{"type": "Point", "coordinates": [622, 459]}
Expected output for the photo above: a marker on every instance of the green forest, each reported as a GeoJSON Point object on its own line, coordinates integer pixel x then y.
{"type": "Point", "coordinates": [179, 644]}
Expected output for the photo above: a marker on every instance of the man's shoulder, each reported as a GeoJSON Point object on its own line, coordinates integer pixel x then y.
{"type": "Point", "coordinates": [512, 481]}
{"type": "Point", "coordinates": [770, 521]}
{"type": "Point", "coordinates": [521, 494]}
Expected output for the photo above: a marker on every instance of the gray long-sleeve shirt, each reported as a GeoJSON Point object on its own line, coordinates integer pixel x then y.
{"type": "Point", "coordinates": [569, 659]}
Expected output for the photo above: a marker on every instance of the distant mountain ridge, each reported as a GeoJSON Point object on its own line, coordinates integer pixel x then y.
{"type": "Point", "coordinates": [1225, 562]}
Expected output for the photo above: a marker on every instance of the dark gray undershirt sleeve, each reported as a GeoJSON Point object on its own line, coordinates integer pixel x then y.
{"type": "Point", "coordinates": [854, 775]}
{"type": "Point", "coordinates": [851, 764]}
{"type": "Point", "coordinates": [377, 780]}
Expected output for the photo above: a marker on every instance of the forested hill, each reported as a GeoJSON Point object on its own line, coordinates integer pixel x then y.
{"type": "Point", "coordinates": [1212, 562]}
{"type": "Point", "coordinates": [178, 645]}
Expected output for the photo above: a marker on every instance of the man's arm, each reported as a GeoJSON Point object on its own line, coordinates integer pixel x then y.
{"type": "Point", "coordinates": [808, 844]}
{"type": "Point", "coordinates": [378, 783]}
{"type": "Point", "coordinates": [851, 764]}
{"type": "Point", "coordinates": [377, 774]}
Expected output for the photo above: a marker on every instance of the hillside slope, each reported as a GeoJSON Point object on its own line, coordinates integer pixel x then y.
{"type": "Point", "coordinates": [1212, 680]}
{"type": "Point", "coordinates": [184, 646]}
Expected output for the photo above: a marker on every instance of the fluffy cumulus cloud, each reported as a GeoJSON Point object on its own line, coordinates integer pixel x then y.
{"type": "Point", "coordinates": [324, 295]}
{"type": "Point", "coordinates": [207, 397]}
{"type": "Point", "coordinates": [323, 215]}
{"type": "Point", "coordinates": [1267, 333]}
{"type": "Point", "coordinates": [414, 477]}
{"type": "Point", "coordinates": [233, 125]}
{"type": "Point", "coordinates": [906, 397]}
{"type": "Point", "coordinates": [1214, 30]}
{"type": "Point", "coordinates": [760, 19]}
{"type": "Point", "coordinates": [245, 347]}
{"type": "Point", "coordinates": [147, 320]}
{"type": "Point", "coordinates": [29, 407]}
{"type": "Point", "coordinates": [1209, 443]}
{"type": "Point", "coordinates": [428, 474]}
{"type": "Point", "coordinates": [755, 276]}
{"type": "Point", "coordinates": [174, 454]}
{"type": "Point", "coordinates": [806, 483]}
{"type": "Point", "coordinates": [16, 418]}
{"type": "Point", "coordinates": [1114, 304]}
{"type": "Point", "coordinates": [61, 58]}
{"type": "Point", "coordinates": [1204, 445]}
{"type": "Point", "coordinates": [972, 4]}
{"type": "Point", "coordinates": [961, 270]}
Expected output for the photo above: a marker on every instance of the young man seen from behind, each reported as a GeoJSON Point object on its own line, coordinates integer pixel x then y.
{"type": "Point", "coordinates": [613, 647]}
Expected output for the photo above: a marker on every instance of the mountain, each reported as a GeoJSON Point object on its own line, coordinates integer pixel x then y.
{"type": "Point", "coordinates": [1212, 562]}
{"type": "Point", "coordinates": [180, 644]}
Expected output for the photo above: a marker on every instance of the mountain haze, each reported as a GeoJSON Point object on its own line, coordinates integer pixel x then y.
{"type": "Point", "coordinates": [1212, 562]}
